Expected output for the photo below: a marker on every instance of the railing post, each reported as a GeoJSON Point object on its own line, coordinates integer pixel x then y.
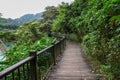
{"type": "Point", "coordinates": [64, 43]}
{"type": "Point", "coordinates": [59, 48]}
{"type": "Point", "coordinates": [33, 66]}
{"type": "Point", "coordinates": [54, 57]}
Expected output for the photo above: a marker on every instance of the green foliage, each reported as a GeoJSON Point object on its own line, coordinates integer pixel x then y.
{"type": "Point", "coordinates": [61, 23]}
{"type": "Point", "coordinates": [90, 43]}
{"type": "Point", "coordinates": [72, 37]}
{"type": "Point", "coordinates": [42, 43]}
{"type": "Point", "coordinates": [33, 30]}
{"type": "Point", "coordinates": [97, 24]}
{"type": "Point", "coordinates": [46, 27]}
{"type": "Point", "coordinates": [10, 27]}
{"type": "Point", "coordinates": [50, 13]}
{"type": "Point", "coordinates": [29, 30]}
{"type": "Point", "coordinates": [7, 35]}
{"type": "Point", "coordinates": [4, 25]}
{"type": "Point", "coordinates": [21, 50]}
{"type": "Point", "coordinates": [29, 36]}
{"type": "Point", "coordinates": [113, 57]}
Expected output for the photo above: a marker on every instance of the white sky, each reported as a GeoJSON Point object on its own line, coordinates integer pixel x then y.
{"type": "Point", "coordinates": [17, 8]}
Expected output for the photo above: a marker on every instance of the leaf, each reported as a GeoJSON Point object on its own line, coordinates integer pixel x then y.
{"type": "Point", "coordinates": [115, 18]}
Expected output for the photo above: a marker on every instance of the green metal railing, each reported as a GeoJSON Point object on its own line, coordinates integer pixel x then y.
{"type": "Point", "coordinates": [37, 65]}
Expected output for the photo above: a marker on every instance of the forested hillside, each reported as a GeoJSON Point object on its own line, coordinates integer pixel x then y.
{"type": "Point", "coordinates": [23, 19]}
{"type": "Point", "coordinates": [96, 24]}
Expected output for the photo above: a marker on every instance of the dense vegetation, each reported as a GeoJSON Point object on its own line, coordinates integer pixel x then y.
{"type": "Point", "coordinates": [7, 35]}
{"type": "Point", "coordinates": [97, 25]}
{"type": "Point", "coordinates": [28, 36]}
{"type": "Point", "coordinates": [22, 51]}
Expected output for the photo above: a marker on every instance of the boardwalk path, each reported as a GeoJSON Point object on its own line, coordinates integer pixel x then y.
{"type": "Point", "coordinates": [72, 65]}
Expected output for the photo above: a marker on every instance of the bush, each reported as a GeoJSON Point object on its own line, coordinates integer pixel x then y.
{"type": "Point", "coordinates": [21, 50]}
{"type": "Point", "coordinates": [72, 36]}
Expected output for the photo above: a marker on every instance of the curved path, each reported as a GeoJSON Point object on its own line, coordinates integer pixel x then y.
{"type": "Point", "coordinates": [72, 65]}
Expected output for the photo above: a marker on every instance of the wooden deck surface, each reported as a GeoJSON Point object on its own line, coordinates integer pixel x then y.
{"type": "Point", "coordinates": [72, 65]}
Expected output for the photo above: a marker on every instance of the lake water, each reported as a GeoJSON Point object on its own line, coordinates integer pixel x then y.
{"type": "Point", "coordinates": [7, 47]}
{"type": "Point", "coordinates": [1, 56]}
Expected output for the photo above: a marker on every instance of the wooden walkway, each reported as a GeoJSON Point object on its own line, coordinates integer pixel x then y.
{"type": "Point", "coordinates": [72, 65]}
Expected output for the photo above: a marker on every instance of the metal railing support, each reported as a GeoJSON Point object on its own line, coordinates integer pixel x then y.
{"type": "Point", "coordinates": [33, 66]}
{"type": "Point", "coordinates": [53, 54]}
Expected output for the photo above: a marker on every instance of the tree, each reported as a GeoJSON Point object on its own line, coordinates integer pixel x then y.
{"type": "Point", "coordinates": [29, 30]}
{"type": "Point", "coordinates": [61, 22]}
{"type": "Point", "coordinates": [7, 35]}
{"type": "Point", "coordinates": [50, 13]}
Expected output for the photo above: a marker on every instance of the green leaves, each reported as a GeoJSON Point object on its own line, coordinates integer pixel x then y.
{"type": "Point", "coordinates": [42, 43]}
{"type": "Point", "coordinates": [50, 13]}
{"type": "Point", "coordinates": [29, 30]}
{"type": "Point", "coordinates": [21, 50]}
{"type": "Point", "coordinates": [97, 24]}
{"type": "Point", "coordinates": [115, 18]}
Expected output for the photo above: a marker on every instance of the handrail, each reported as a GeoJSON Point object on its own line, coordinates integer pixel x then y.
{"type": "Point", "coordinates": [39, 52]}
{"type": "Point", "coordinates": [42, 51]}
{"type": "Point", "coordinates": [25, 68]}
{"type": "Point", "coordinates": [10, 69]}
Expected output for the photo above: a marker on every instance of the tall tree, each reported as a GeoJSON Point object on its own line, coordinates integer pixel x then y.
{"type": "Point", "coordinates": [50, 13]}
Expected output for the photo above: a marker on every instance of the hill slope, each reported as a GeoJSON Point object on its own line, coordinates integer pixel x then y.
{"type": "Point", "coordinates": [24, 18]}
